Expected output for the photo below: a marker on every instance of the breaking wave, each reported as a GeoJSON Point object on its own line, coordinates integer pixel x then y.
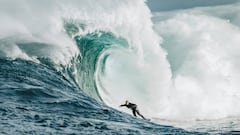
{"type": "Point", "coordinates": [185, 68]}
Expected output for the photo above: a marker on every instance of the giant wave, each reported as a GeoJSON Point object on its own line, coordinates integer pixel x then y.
{"type": "Point", "coordinates": [85, 44]}
{"type": "Point", "coordinates": [112, 51]}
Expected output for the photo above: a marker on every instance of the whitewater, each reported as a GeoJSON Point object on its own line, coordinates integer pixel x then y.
{"type": "Point", "coordinates": [66, 66]}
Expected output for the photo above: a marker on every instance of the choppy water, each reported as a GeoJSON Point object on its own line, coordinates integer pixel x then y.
{"type": "Point", "coordinates": [36, 99]}
{"type": "Point", "coordinates": [65, 67]}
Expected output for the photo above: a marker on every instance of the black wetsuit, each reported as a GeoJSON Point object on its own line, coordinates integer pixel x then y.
{"type": "Point", "coordinates": [134, 109]}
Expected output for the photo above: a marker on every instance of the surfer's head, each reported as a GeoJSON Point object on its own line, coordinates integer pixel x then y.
{"type": "Point", "coordinates": [126, 102]}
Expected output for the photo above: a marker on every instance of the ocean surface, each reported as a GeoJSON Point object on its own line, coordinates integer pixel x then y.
{"type": "Point", "coordinates": [66, 66]}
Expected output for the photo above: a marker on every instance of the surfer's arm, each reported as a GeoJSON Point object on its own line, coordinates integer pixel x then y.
{"type": "Point", "coordinates": [122, 105]}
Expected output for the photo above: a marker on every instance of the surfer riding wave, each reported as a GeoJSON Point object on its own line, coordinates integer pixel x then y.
{"type": "Point", "coordinates": [134, 109]}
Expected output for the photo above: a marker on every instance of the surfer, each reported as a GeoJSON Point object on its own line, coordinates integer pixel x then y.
{"type": "Point", "coordinates": [134, 109]}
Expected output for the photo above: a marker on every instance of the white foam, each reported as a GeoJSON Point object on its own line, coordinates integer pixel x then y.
{"type": "Point", "coordinates": [203, 51]}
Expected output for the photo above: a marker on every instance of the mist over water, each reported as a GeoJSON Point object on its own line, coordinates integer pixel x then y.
{"type": "Point", "coordinates": [203, 51]}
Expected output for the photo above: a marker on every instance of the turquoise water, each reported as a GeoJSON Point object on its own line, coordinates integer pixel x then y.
{"type": "Point", "coordinates": [65, 67]}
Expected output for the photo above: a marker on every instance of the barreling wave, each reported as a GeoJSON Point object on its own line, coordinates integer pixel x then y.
{"type": "Point", "coordinates": [94, 50]}
{"type": "Point", "coordinates": [111, 51]}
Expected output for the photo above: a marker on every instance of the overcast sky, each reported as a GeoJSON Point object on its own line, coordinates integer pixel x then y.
{"type": "Point", "coordinates": [164, 5]}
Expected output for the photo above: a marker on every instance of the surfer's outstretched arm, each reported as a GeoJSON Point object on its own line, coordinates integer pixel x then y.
{"type": "Point", "coordinates": [122, 105]}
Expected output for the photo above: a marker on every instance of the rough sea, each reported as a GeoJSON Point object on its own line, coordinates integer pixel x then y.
{"type": "Point", "coordinates": [66, 66]}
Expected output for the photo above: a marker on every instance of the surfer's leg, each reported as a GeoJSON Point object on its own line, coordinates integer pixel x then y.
{"type": "Point", "coordinates": [140, 114]}
{"type": "Point", "coordinates": [134, 112]}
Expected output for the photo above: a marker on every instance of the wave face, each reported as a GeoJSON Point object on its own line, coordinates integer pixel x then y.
{"type": "Point", "coordinates": [80, 56]}
{"type": "Point", "coordinates": [36, 99]}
